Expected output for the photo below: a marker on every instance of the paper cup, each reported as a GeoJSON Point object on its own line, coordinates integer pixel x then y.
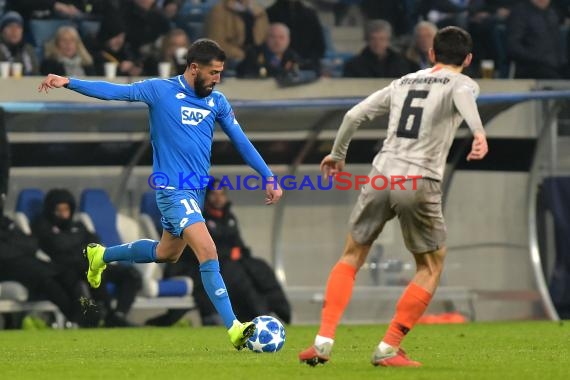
{"type": "Point", "coordinates": [111, 70]}
{"type": "Point", "coordinates": [17, 69]}
{"type": "Point", "coordinates": [164, 69]}
{"type": "Point", "coordinates": [4, 70]}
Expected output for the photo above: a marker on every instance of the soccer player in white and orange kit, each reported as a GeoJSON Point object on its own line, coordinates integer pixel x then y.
{"type": "Point", "coordinates": [426, 108]}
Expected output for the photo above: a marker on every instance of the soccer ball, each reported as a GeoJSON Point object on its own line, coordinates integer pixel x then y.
{"type": "Point", "coordinates": [269, 335]}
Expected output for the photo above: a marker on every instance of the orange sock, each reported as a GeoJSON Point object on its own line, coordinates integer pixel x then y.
{"type": "Point", "coordinates": [409, 309]}
{"type": "Point", "coordinates": [337, 296]}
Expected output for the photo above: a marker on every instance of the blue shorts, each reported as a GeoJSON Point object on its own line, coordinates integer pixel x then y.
{"type": "Point", "coordinates": [180, 208]}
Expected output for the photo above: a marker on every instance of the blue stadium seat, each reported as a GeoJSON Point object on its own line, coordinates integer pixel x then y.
{"type": "Point", "coordinates": [44, 30]}
{"type": "Point", "coordinates": [150, 213]}
{"type": "Point", "coordinates": [152, 227]}
{"type": "Point", "coordinates": [97, 205]}
{"type": "Point", "coordinates": [28, 208]}
{"type": "Point", "coordinates": [30, 203]}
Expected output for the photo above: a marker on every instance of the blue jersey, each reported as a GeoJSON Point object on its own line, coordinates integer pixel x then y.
{"type": "Point", "coordinates": [181, 126]}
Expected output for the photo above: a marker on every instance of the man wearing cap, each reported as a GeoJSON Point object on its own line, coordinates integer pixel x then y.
{"type": "Point", "coordinates": [12, 45]}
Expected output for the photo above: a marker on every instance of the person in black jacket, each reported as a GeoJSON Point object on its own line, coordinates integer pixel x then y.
{"type": "Point", "coordinates": [144, 24]}
{"type": "Point", "coordinates": [275, 58]}
{"type": "Point", "coordinates": [18, 262]}
{"type": "Point", "coordinates": [307, 37]}
{"type": "Point", "coordinates": [63, 239]}
{"type": "Point", "coordinates": [378, 59]}
{"type": "Point", "coordinates": [4, 161]}
{"type": "Point", "coordinates": [533, 39]}
{"type": "Point", "coordinates": [250, 281]}
{"type": "Point", "coordinates": [111, 40]}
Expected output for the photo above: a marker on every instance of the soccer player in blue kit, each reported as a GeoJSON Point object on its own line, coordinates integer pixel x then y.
{"type": "Point", "coordinates": [183, 111]}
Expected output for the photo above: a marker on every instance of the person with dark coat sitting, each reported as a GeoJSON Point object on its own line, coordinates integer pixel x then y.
{"type": "Point", "coordinates": [18, 262]}
{"type": "Point", "coordinates": [63, 240]}
{"type": "Point", "coordinates": [275, 58]}
{"type": "Point", "coordinates": [113, 47]}
{"type": "Point", "coordinates": [66, 55]}
{"type": "Point", "coordinates": [307, 37]}
{"type": "Point", "coordinates": [533, 39]}
{"type": "Point", "coordinates": [378, 59]}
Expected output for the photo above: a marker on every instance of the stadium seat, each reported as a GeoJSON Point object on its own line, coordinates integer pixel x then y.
{"type": "Point", "coordinates": [152, 228]}
{"type": "Point", "coordinates": [43, 30]}
{"type": "Point", "coordinates": [28, 207]}
{"type": "Point", "coordinates": [150, 216]}
{"type": "Point", "coordinates": [99, 215]}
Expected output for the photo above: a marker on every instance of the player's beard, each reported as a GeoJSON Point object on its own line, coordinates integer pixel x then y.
{"type": "Point", "coordinates": [200, 87]}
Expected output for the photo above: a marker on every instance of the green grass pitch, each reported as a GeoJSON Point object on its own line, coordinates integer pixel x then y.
{"type": "Point", "coordinates": [520, 350]}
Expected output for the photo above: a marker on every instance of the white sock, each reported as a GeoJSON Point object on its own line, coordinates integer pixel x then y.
{"type": "Point", "coordinates": [385, 348]}
{"type": "Point", "coordinates": [319, 340]}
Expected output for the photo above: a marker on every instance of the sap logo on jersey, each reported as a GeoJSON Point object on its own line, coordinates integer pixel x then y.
{"type": "Point", "coordinates": [193, 116]}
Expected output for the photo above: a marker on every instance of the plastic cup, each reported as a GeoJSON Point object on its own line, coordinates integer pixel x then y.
{"type": "Point", "coordinates": [4, 70]}
{"type": "Point", "coordinates": [17, 69]}
{"type": "Point", "coordinates": [164, 69]}
{"type": "Point", "coordinates": [110, 70]}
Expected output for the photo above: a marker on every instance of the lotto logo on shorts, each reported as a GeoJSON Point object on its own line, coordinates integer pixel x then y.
{"type": "Point", "coordinates": [193, 116]}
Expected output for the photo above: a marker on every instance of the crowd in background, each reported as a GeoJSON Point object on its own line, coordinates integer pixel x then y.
{"type": "Point", "coordinates": [524, 38]}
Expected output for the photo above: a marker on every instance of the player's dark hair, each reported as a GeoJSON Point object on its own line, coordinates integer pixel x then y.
{"type": "Point", "coordinates": [204, 51]}
{"type": "Point", "coordinates": [451, 45]}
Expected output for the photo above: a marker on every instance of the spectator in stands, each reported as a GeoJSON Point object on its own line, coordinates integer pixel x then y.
{"type": "Point", "coordinates": [12, 45]}
{"type": "Point", "coordinates": [444, 12]}
{"type": "Point", "coordinates": [484, 18]}
{"type": "Point", "coordinates": [66, 55]}
{"type": "Point", "coordinates": [307, 37]}
{"type": "Point", "coordinates": [378, 59]}
{"type": "Point", "coordinates": [237, 25]}
{"type": "Point", "coordinates": [4, 161]}
{"type": "Point", "coordinates": [111, 38]}
{"type": "Point", "coordinates": [145, 25]}
{"type": "Point", "coordinates": [274, 58]}
{"type": "Point", "coordinates": [174, 48]}
{"type": "Point", "coordinates": [170, 9]}
{"type": "Point", "coordinates": [534, 40]}
{"type": "Point", "coordinates": [250, 281]}
{"type": "Point", "coordinates": [64, 239]}
{"type": "Point", "coordinates": [71, 9]}
{"type": "Point", "coordinates": [424, 32]}
{"type": "Point", "coordinates": [397, 12]}
{"type": "Point", "coordinates": [18, 262]}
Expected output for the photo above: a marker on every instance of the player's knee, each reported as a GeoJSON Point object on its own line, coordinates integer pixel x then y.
{"type": "Point", "coordinates": [355, 253]}
{"type": "Point", "coordinates": [207, 252]}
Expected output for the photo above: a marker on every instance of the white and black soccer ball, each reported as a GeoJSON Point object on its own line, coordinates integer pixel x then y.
{"type": "Point", "coordinates": [269, 335]}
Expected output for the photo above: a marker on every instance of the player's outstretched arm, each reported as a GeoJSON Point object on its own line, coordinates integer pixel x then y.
{"type": "Point", "coordinates": [479, 147]}
{"type": "Point", "coordinates": [52, 81]}
{"type": "Point", "coordinates": [139, 91]}
{"type": "Point", "coordinates": [331, 167]}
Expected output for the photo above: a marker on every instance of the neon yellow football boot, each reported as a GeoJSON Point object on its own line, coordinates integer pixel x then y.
{"type": "Point", "coordinates": [240, 332]}
{"type": "Point", "coordinates": [94, 254]}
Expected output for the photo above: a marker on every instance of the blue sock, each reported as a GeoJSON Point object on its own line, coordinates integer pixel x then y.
{"type": "Point", "coordinates": [216, 290]}
{"type": "Point", "coordinates": [140, 251]}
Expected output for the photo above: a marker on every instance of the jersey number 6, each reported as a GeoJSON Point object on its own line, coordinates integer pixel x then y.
{"type": "Point", "coordinates": [410, 111]}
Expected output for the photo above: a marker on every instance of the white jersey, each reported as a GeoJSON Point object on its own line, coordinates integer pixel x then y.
{"type": "Point", "coordinates": [426, 108]}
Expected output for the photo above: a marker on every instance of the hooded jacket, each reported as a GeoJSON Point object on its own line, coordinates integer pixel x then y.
{"type": "Point", "coordinates": [63, 240]}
